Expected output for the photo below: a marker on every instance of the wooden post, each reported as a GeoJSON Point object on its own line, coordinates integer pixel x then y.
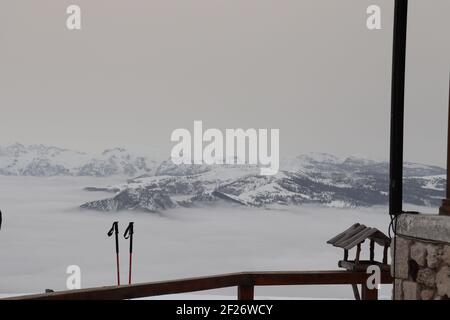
{"type": "Point", "coordinates": [372, 250]}
{"type": "Point", "coordinates": [445, 208]}
{"type": "Point", "coordinates": [367, 294]}
{"type": "Point", "coordinates": [356, 292]}
{"type": "Point", "coordinates": [385, 254]}
{"type": "Point", "coordinates": [358, 253]}
{"type": "Point", "coordinates": [246, 292]}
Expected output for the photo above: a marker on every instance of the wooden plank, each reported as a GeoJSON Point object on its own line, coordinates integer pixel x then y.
{"type": "Point", "coordinates": [245, 280]}
{"type": "Point", "coordinates": [362, 265]}
{"type": "Point", "coordinates": [144, 289]}
{"type": "Point", "coordinates": [355, 234]}
{"type": "Point", "coordinates": [349, 238]}
{"type": "Point", "coordinates": [357, 239]}
{"type": "Point", "coordinates": [349, 235]}
{"type": "Point", "coordinates": [342, 234]}
{"type": "Point", "coordinates": [313, 278]}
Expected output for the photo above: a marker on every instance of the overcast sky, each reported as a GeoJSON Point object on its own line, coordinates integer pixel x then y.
{"type": "Point", "coordinates": [139, 69]}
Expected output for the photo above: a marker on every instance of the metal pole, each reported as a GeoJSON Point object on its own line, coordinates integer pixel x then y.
{"type": "Point", "coordinates": [445, 208]}
{"type": "Point", "coordinates": [448, 146]}
{"type": "Point", "coordinates": [397, 108]}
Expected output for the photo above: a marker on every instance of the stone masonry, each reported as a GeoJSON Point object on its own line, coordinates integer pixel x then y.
{"type": "Point", "coordinates": [422, 258]}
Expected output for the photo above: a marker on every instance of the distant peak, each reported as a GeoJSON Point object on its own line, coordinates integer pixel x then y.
{"type": "Point", "coordinates": [114, 150]}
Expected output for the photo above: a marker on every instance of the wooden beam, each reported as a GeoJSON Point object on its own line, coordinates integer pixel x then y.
{"type": "Point", "coordinates": [358, 253]}
{"type": "Point", "coordinates": [372, 250]}
{"type": "Point", "coordinates": [313, 278]}
{"type": "Point", "coordinates": [246, 281]}
{"type": "Point", "coordinates": [142, 290]}
{"type": "Point", "coordinates": [385, 254]}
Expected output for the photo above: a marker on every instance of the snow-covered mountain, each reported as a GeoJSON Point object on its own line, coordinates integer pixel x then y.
{"type": "Point", "coordinates": [307, 179]}
{"type": "Point", "coordinates": [157, 185]}
{"type": "Point", "coordinates": [40, 160]}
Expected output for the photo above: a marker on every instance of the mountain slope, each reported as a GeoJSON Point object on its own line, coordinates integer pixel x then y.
{"type": "Point", "coordinates": [310, 178]}
{"type": "Point", "coordinates": [307, 179]}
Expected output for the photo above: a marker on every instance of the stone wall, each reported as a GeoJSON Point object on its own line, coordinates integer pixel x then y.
{"type": "Point", "coordinates": [422, 258]}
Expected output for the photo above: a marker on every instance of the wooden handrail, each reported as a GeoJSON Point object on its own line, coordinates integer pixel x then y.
{"type": "Point", "coordinates": [245, 281]}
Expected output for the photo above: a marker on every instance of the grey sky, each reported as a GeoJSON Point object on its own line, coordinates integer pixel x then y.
{"type": "Point", "coordinates": [140, 69]}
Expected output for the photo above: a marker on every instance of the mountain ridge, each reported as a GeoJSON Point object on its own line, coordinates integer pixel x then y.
{"type": "Point", "coordinates": [154, 185]}
{"type": "Point", "coordinates": [351, 182]}
{"type": "Point", "coordinates": [44, 161]}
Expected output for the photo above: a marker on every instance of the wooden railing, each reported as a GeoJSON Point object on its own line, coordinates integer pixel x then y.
{"type": "Point", "coordinates": [245, 283]}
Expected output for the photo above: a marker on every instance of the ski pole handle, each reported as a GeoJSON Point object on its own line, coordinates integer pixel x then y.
{"type": "Point", "coordinates": [129, 234]}
{"type": "Point", "coordinates": [115, 230]}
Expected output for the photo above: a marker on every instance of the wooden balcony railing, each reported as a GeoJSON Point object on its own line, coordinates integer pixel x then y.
{"type": "Point", "coordinates": [245, 283]}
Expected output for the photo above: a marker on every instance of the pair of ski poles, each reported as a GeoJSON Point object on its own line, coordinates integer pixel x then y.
{"type": "Point", "coordinates": [127, 235]}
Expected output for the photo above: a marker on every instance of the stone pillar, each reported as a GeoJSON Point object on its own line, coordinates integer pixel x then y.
{"type": "Point", "coordinates": [422, 257]}
{"type": "Point", "coordinates": [445, 208]}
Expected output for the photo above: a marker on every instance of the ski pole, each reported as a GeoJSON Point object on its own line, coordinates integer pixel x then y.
{"type": "Point", "coordinates": [115, 229]}
{"type": "Point", "coordinates": [129, 235]}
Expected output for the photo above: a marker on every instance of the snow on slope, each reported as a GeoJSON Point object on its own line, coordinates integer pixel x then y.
{"type": "Point", "coordinates": [324, 180]}
{"type": "Point", "coordinates": [316, 178]}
